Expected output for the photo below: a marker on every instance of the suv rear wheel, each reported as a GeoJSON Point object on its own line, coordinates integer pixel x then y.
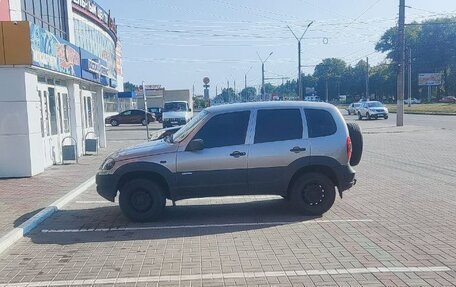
{"type": "Point", "coordinates": [142, 200]}
{"type": "Point", "coordinates": [360, 117]}
{"type": "Point", "coordinates": [313, 193]}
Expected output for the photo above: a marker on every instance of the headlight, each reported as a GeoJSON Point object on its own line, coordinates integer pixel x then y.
{"type": "Point", "coordinates": [108, 164]}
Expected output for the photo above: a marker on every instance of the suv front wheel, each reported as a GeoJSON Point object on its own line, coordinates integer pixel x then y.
{"type": "Point", "coordinates": [313, 193]}
{"type": "Point", "coordinates": [142, 200]}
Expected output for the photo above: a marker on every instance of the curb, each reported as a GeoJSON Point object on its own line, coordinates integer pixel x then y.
{"type": "Point", "coordinates": [18, 232]}
{"type": "Point", "coordinates": [427, 113]}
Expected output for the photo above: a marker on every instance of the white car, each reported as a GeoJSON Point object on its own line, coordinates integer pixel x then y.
{"type": "Point", "coordinates": [412, 101]}
{"type": "Point", "coordinates": [372, 110]}
{"type": "Point", "coordinates": [353, 108]}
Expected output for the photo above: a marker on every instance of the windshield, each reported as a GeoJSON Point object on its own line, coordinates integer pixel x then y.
{"type": "Point", "coordinates": [186, 129]}
{"type": "Point", "coordinates": [175, 107]}
{"type": "Point", "coordinates": [375, 105]}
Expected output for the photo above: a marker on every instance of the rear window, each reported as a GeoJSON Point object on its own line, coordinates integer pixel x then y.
{"type": "Point", "coordinates": [278, 125]}
{"type": "Point", "coordinates": [320, 123]}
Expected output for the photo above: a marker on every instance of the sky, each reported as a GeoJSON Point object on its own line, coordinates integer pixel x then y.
{"type": "Point", "coordinates": [176, 43]}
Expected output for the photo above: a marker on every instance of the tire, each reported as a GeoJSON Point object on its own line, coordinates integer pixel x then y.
{"type": "Point", "coordinates": [142, 200]}
{"type": "Point", "coordinates": [144, 122]}
{"type": "Point", "coordinates": [313, 194]}
{"type": "Point", "coordinates": [360, 117]}
{"type": "Point", "coordinates": [368, 116]}
{"type": "Point", "coordinates": [114, 123]}
{"type": "Point", "coordinates": [357, 143]}
{"type": "Point", "coordinates": [385, 117]}
{"type": "Point", "coordinates": [349, 113]}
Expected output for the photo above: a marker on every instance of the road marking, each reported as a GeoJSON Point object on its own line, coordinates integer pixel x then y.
{"type": "Point", "coordinates": [261, 274]}
{"type": "Point", "coordinates": [94, 202]}
{"type": "Point", "coordinates": [246, 224]}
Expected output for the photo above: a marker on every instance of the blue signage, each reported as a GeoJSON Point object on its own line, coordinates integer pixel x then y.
{"type": "Point", "coordinates": [54, 53]}
{"type": "Point", "coordinates": [94, 69]}
{"type": "Point", "coordinates": [126, 95]}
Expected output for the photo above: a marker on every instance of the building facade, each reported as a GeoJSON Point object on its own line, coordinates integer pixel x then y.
{"type": "Point", "coordinates": [58, 60]}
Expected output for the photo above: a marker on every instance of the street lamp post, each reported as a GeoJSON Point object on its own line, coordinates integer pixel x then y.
{"type": "Point", "coordinates": [245, 78]}
{"type": "Point", "coordinates": [262, 74]}
{"type": "Point", "coordinates": [300, 94]}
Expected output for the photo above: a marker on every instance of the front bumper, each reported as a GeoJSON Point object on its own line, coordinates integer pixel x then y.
{"type": "Point", "coordinates": [173, 122]}
{"type": "Point", "coordinates": [107, 186]}
{"type": "Point", "coordinates": [345, 177]}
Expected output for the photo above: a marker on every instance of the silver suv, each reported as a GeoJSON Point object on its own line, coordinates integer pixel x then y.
{"type": "Point", "coordinates": [301, 151]}
{"type": "Point", "coordinates": [372, 110]}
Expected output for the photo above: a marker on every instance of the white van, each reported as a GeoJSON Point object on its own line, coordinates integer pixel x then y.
{"type": "Point", "coordinates": [176, 113]}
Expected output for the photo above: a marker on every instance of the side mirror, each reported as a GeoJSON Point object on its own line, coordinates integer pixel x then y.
{"type": "Point", "coordinates": [189, 109]}
{"type": "Point", "coordinates": [195, 145]}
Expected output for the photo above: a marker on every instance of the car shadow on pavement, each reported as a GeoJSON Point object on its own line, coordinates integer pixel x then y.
{"type": "Point", "coordinates": [105, 224]}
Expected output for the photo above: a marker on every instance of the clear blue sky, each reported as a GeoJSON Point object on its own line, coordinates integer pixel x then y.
{"type": "Point", "coordinates": [176, 43]}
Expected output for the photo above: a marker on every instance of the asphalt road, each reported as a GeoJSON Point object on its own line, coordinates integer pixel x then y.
{"type": "Point", "coordinates": [396, 227]}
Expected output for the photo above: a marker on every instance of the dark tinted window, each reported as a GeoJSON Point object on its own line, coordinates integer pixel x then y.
{"type": "Point", "coordinates": [278, 125]}
{"type": "Point", "coordinates": [137, 113]}
{"type": "Point", "coordinates": [320, 123]}
{"type": "Point", "coordinates": [225, 130]}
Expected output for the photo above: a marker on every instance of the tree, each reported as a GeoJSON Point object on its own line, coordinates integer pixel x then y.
{"type": "Point", "coordinates": [432, 44]}
{"type": "Point", "coordinates": [248, 94]}
{"type": "Point", "coordinates": [129, 87]}
{"type": "Point", "coordinates": [329, 72]}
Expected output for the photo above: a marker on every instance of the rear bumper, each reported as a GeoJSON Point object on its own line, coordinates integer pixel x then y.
{"type": "Point", "coordinates": [107, 186]}
{"type": "Point", "coordinates": [345, 177]}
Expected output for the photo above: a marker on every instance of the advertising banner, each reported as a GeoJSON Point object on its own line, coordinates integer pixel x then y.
{"type": "Point", "coordinates": [94, 69]}
{"type": "Point", "coordinates": [430, 79]}
{"type": "Point", "coordinates": [54, 53]}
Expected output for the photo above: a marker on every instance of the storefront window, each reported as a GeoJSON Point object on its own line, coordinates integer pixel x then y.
{"type": "Point", "coordinates": [89, 111]}
{"type": "Point", "coordinates": [53, 111]}
{"type": "Point", "coordinates": [66, 113]}
{"type": "Point", "coordinates": [46, 113]}
{"type": "Point", "coordinates": [43, 133]}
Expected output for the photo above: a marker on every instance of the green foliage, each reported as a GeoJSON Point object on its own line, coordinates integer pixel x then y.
{"type": "Point", "coordinates": [129, 87]}
{"type": "Point", "coordinates": [248, 94]}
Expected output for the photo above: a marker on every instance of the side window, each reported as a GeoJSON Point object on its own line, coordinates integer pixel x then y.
{"type": "Point", "coordinates": [278, 125]}
{"type": "Point", "coordinates": [225, 130]}
{"type": "Point", "coordinates": [320, 123]}
{"type": "Point", "coordinates": [126, 113]}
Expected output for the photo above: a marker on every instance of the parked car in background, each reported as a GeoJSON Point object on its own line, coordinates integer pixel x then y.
{"type": "Point", "coordinates": [372, 110]}
{"type": "Point", "coordinates": [130, 117]}
{"type": "Point", "coordinates": [450, 99]}
{"type": "Point", "coordinates": [157, 111]}
{"type": "Point", "coordinates": [353, 108]}
{"type": "Point", "coordinates": [239, 149]}
{"type": "Point", "coordinates": [412, 101]}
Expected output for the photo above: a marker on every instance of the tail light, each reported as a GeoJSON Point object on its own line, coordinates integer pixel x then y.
{"type": "Point", "coordinates": [349, 148]}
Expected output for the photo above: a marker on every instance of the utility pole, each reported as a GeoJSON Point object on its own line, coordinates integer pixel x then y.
{"type": "Point", "coordinates": [300, 95]}
{"type": "Point", "coordinates": [245, 78]}
{"type": "Point", "coordinates": [327, 91]}
{"type": "Point", "coordinates": [410, 77]}
{"type": "Point", "coordinates": [401, 74]}
{"type": "Point", "coordinates": [193, 90]}
{"type": "Point", "coordinates": [262, 82]}
{"type": "Point", "coordinates": [263, 92]}
{"type": "Point", "coordinates": [367, 79]}
{"type": "Point", "coordinates": [235, 96]}
{"type": "Point", "coordinates": [145, 110]}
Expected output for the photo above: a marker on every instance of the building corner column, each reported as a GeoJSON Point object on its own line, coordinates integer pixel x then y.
{"type": "Point", "coordinates": [100, 128]}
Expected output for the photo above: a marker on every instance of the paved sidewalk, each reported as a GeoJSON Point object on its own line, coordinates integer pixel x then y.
{"type": "Point", "coordinates": [22, 198]}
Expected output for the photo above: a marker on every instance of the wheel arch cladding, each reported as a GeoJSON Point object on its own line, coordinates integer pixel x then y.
{"type": "Point", "coordinates": [320, 164]}
{"type": "Point", "coordinates": [147, 170]}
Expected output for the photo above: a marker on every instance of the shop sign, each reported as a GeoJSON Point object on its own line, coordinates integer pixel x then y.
{"type": "Point", "coordinates": [93, 68]}
{"type": "Point", "coordinates": [97, 12]}
{"type": "Point", "coordinates": [54, 53]}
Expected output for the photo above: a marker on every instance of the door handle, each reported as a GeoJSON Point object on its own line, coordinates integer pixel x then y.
{"type": "Point", "coordinates": [298, 149]}
{"type": "Point", "coordinates": [237, 154]}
